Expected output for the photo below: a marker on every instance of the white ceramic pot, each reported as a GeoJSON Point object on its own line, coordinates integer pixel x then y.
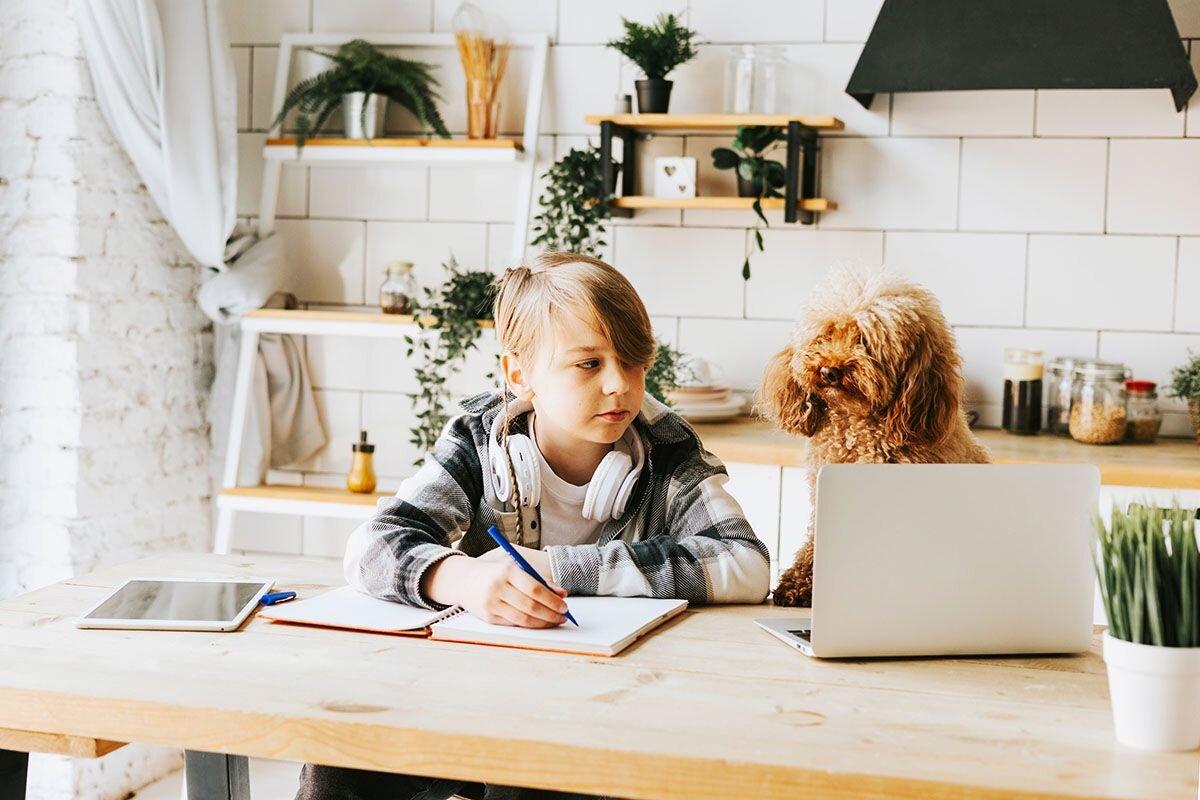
{"type": "Point", "coordinates": [1155, 693]}
{"type": "Point", "coordinates": [363, 114]}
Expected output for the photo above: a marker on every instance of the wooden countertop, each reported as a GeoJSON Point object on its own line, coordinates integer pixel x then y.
{"type": "Point", "coordinates": [708, 706]}
{"type": "Point", "coordinates": [1166, 464]}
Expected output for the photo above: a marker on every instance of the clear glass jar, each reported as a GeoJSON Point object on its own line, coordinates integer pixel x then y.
{"type": "Point", "coordinates": [1057, 391]}
{"type": "Point", "coordinates": [1143, 418]}
{"type": "Point", "coordinates": [1098, 403]}
{"type": "Point", "coordinates": [753, 73]}
{"type": "Point", "coordinates": [1022, 411]}
{"type": "Point", "coordinates": [399, 289]}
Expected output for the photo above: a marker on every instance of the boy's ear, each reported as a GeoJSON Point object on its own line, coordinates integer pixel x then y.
{"type": "Point", "coordinates": [514, 375]}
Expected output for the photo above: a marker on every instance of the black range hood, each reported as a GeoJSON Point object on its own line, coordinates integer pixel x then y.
{"type": "Point", "coordinates": [943, 45]}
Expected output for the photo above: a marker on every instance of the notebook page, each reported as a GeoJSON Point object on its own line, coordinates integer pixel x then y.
{"type": "Point", "coordinates": [606, 625]}
{"type": "Point", "coordinates": [348, 608]}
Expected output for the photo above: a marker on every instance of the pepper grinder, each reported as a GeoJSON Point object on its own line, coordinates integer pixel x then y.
{"type": "Point", "coordinates": [361, 478]}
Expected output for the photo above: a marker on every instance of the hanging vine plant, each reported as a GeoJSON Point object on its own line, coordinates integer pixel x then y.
{"type": "Point", "coordinates": [448, 320]}
{"type": "Point", "coordinates": [574, 204]}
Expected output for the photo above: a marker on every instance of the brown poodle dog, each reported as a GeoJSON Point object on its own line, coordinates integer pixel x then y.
{"type": "Point", "coordinates": [871, 375]}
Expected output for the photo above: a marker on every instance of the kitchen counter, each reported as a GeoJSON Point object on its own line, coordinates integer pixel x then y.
{"type": "Point", "coordinates": [1166, 464]}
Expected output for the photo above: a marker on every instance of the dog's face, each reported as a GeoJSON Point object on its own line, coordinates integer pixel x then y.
{"type": "Point", "coordinates": [873, 347]}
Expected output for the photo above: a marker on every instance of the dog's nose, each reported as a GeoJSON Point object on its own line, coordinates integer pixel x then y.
{"type": "Point", "coordinates": [831, 375]}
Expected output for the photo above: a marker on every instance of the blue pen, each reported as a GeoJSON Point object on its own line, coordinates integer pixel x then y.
{"type": "Point", "coordinates": [272, 598]}
{"type": "Point", "coordinates": [522, 563]}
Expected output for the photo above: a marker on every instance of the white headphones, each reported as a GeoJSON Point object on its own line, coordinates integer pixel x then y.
{"type": "Point", "coordinates": [608, 492]}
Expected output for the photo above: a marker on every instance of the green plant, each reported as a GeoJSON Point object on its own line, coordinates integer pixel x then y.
{"type": "Point", "coordinates": [656, 49]}
{"type": "Point", "coordinates": [668, 370]}
{"type": "Point", "coordinates": [1148, 566]}
{"type": "Point", "coordinates": [574, 204]}
{"type": "Point", "coordinates": [448, 319]}
{"type": "Point", "coordinates": [1185, 379]}
{"type": "Point", "coordinates": [748, 156]}
{"type": "Point", "coordinates": [360, 67]}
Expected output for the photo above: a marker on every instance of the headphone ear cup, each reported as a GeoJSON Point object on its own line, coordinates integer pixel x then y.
{"type": "Point", "coordinates": [630, 481]}
{"type": "Point", "coordinates": [501, 480]}
{"type": "Point", "coordinates": [605, 486]}
{"type": "Point", "coordinates": [525, 467]}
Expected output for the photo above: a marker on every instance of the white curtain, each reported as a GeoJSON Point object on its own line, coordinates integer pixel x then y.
{"type": "Point", "coordinates": [164, 79]}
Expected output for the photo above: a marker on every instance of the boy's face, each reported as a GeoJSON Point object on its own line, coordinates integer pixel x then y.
{"type": "Point", "coordinates": [580, 388]}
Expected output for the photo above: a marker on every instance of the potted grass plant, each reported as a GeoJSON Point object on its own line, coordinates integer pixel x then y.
{"type": "Point", "coordinates": [1148, 566]}
{"type": "Point", "coordinates": [657, 49]}
{"type": "Point", "coordinates": [362, 79]}
{"type": "Point", "coordinates": [1185, 384]}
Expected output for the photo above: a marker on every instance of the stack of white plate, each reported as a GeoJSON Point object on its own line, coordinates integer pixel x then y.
{"type": "Point", "coordinates": [705, 403]}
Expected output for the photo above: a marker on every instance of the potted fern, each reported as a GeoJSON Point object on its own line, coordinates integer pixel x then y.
{"type": "Point", "coordinates": [1185, 384]}
{"type": "Point", "coordinates": [362, 79]}
{"type": "Point", "coordinates": [657, 50]}
{"type": "Point", "coordinates": [1148, 566]}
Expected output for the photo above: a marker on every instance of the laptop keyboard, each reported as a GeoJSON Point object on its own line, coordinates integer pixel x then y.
{"type": "Point", "coordinates": [802, 633]}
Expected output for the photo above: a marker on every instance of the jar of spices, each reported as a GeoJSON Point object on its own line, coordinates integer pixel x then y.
{"type": "Point", "coordinates": [1098, 403]}
{"type": "Point", "coordinates": [1143, 419]}
{"type": "Point", "coordinates": [1057, 391]}
{"type": "Point", "coordinates": [399, 289]}
{"type": "Point", "coordinates": [1022, 411]}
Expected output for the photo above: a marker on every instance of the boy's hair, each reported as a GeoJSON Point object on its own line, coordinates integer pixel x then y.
{"type": "Point", "coordinates": [529, 298]}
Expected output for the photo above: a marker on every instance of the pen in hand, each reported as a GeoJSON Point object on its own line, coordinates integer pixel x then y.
{"type": "Point", "coordinates": [523, 564]}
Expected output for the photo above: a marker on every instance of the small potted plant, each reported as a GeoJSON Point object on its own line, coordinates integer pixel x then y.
{"type": "Point", "coordinates": [668, 371]}
{"type": "Point", "coordinates": [757, 175]}
{"type": "Point", "coordinates": [573, 205]}
{"type": "Point", "coordinates": [1185, 384]}
{"type": "Point", "coordinates": [1148, 566]}
{"type": "Point", "coordinates": [657, 50]}
{"type": "Point", "coordinates": [361, 80]}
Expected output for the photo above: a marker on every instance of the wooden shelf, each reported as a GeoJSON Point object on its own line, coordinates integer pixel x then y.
{"type": "Point", "coordinates": [711, 122]}
{"type": "Point", "coordinates": [300, 500]}
{"type": "Point", "coordinates": [336, 323]}
{"type": "Point", "coordinates": [715, 203]}
{"type": "Point", "coordinates": [372, 151]}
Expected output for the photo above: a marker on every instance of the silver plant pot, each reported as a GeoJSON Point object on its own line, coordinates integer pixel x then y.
{"type": "Point", "coordinates": [363, 114]}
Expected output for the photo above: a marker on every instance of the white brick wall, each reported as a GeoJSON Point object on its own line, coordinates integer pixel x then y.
{"type": "Point", "coordinates": [104, 362]}
{"type": "Point", "coordinates": [1056, 219]}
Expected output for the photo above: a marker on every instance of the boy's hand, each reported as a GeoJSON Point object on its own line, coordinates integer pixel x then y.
{"type": "Point", "coordinates": [538, 559]}
{"type": "Point", "coordinates": [496, 591]}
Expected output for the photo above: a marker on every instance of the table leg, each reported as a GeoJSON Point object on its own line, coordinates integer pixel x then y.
{"type": "Point", "coordinates": [216, 776]}
{"type": "Point", "coordinates": [14, 771]}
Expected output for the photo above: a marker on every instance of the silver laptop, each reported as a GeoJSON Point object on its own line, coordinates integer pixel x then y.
{"type": "Point", "coordinates": [949, 559]}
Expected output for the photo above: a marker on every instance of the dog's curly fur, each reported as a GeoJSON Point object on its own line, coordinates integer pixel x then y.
{"type": "Point", "coordinates": [891, 390]}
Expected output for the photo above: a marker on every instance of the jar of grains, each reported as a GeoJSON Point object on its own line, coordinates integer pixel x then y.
{"type": "Point", "coordinates": [1098, 403]}
{"type": "Point", "coordinates": [1142, 415]}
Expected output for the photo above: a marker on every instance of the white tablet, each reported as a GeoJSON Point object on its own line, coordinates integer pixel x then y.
{"type": "Point", "coordinates": [192, 604]}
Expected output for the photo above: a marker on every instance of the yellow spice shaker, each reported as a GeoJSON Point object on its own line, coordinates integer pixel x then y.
{"type": "Point", "coordinates": [362, 472]}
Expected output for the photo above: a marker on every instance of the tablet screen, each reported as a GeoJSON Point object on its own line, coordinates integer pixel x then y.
{"type": "Point", "coordinates": [177, 600]}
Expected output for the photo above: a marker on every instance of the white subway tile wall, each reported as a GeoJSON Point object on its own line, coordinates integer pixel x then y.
{"type": "Point", "coordinates": [1065, 220]}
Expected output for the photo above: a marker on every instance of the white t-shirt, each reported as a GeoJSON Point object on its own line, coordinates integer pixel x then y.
{"type": "Point", "coordinates": [561, 509]}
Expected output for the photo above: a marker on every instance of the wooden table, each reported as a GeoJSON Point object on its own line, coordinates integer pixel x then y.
{"type": "Point", "coordinates": [709, 707]}
{"type": "Point", "coordinates": [1167, 464]}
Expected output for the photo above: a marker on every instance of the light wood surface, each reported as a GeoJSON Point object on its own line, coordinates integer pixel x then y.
{"type": "Point", "coordinates": [329, 141]}
{"type": "Point", "coordinates": [718, 203]}
{"type": "Point", "coordinates": [1166, 464]}
{"type": "Point", "coordinates": [699, 122]}
{"type": "Point", "coordinates": [710, 706]}
{"type": "Point", "coordinates": [74, 746]}
{"type": "Point", "coordinates": [308, 494]}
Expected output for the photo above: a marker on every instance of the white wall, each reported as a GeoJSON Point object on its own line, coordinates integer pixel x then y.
{"type": "Point", "coordinates": [1064, 220]}
{"type": "Point", "coordinates": [103, 361]}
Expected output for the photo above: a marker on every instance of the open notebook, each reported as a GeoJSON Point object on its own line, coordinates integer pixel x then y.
{"type": "Point", "coordinates": [607, 625]}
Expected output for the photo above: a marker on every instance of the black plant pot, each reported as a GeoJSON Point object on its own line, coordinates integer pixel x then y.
{"type": "Point", "coordinates": [749, 188]}
{"type": "Point", "coordinates": [653, 95]}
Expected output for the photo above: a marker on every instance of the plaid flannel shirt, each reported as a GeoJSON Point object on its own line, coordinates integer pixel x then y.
{"type": "Point", "coordinates": [682, 535]}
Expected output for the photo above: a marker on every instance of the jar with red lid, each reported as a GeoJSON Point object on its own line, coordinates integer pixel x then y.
{"type": "Point", "coordinates": [1143, 418]}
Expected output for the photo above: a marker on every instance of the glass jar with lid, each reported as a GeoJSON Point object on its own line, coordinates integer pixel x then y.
{"type": "Point", "coordinates": [1057, 391]}
{"type": "Point", "coordinates": [1143, 418]}
{"type": "Point", "coordinates": [1097, 413]}
{"type": "Point", "coordinates": [399, 289]}
{"type": "Point", "coordinates": [1022, 410]}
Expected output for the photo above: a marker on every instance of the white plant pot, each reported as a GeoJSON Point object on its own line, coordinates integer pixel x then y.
{"type": "Point", "coordinates": [363, 114]}
{"type": "Point", "coordinates": [1155, 694]}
